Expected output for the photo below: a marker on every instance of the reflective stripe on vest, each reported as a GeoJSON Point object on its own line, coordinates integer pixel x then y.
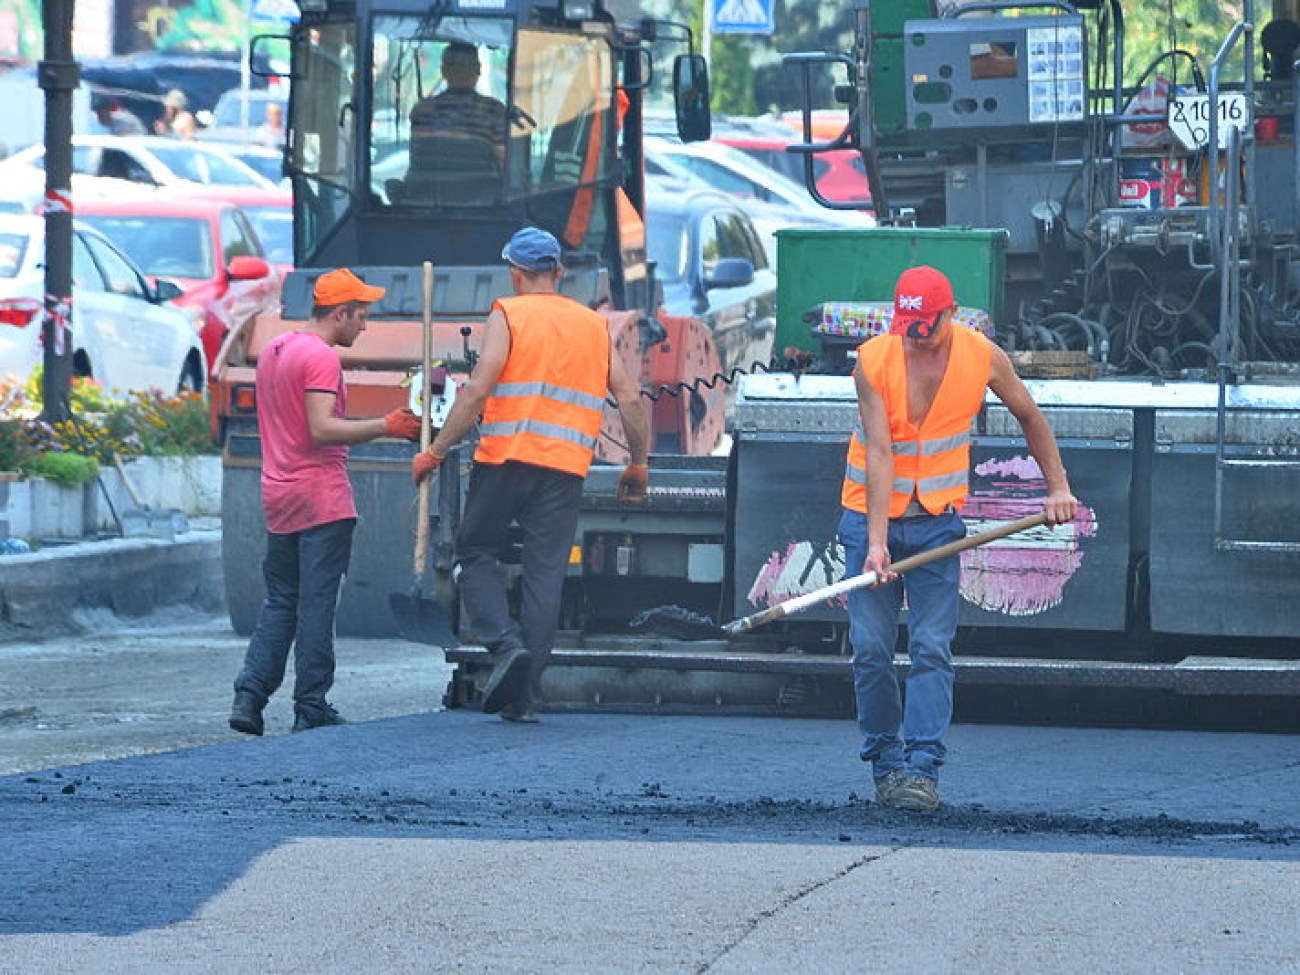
{"type": "Point", "coordinates": [931, 463]}
{"type": "Point", "coordinates": [548, 403]}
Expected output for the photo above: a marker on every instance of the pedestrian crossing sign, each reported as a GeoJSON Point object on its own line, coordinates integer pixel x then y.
{"type": "Point", "coordinates": [742, 16]}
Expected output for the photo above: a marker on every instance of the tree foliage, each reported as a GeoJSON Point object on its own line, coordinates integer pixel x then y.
{"type": "Point", "coordinates": [748, 74]}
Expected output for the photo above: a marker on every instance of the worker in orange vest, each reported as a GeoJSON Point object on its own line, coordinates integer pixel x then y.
{"type": "Point", "coordinates": [919, 387]}
{"type": "Point", "coordinates": [540, 384]}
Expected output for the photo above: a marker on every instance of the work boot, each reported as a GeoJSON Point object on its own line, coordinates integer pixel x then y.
{"type": "Point", "coordinates": [918, 793]}
{"type": "Point", "coordinates": [887, 787]}
{"type": "Point", "coordinates": [246, 713]}
{"type": "Point", "coordinates": [509, 679]}
{"type": "Point", "coordinates": [519, 713]}
{"type": "Point", "coordinates": [317, 716]}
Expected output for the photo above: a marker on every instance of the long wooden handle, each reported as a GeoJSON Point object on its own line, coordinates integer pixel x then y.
{"type": "Point", "coordinates": [426, 423]}
{"type": "Point", "coordinates": [868, 578]}
{"type": "Point", "coordinates": [126, 479]}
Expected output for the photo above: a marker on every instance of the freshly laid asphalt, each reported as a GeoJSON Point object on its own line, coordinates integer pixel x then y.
{"type": "Point", "coordinates": [452, 841]}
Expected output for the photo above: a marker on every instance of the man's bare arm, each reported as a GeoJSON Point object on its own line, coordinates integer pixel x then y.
{"type": "Point", "coordinates": [636, 421]}
{"type": "Point", "coordinates": [1060, 504]}
{"type": "Point", "coordinates": [330, 430]}
{"type": "Point", "coordinates": [880, 473]}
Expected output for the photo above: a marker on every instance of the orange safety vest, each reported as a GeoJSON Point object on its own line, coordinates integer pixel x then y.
{"type": "Point", "coordinates": [932, 462]}
{"type": "Point", "coordinates": [547, 405]}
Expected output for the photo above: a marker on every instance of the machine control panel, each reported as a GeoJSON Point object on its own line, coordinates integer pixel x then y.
{"type": "Point", "coordinates": [995, 73]}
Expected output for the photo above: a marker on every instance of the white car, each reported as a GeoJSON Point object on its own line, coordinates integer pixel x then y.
{"type": "Point", "coordinates": [771, 201]}
{"type": "Point", "coordinates": [736, 174]}
{"type": "Point", "coordinates": [148, 160]}
{"type": "Point", "coordinates": [126, 334]}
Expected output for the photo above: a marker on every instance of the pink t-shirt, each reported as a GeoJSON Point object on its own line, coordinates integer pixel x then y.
{"type": "Point", "coordinates": [304, 484]}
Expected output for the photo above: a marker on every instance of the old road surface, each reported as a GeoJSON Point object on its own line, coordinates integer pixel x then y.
{"type": "Point", "coordinates": [450, 841]}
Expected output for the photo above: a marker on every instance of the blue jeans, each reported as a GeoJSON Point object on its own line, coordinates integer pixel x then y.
{"type": "Point", "coordinates": [303, 573]}
{"type": "Point", "coordinates": [898, 735]}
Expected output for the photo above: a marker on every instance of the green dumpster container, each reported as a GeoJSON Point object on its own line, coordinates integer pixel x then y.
{"type": "Point", "coordinates": [815, 266]}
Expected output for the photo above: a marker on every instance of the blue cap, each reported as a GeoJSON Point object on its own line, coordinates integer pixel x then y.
{"type": "Point", "coordinates": [532, 249]}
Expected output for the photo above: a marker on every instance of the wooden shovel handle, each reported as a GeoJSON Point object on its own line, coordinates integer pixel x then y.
{"type": "Point", "coordinates": [426, 423]}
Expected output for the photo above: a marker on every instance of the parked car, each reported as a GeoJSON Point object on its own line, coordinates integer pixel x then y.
{"type": "Point", "coordinates": [838, 173]}
{"type": "Point", "coordinates": [731, 171]}
{"type": "Point", "coordinates": [265, 161]}
{"type": "Point", "coordinates": [22, 190]}
{"type": "Point", "coordinates": [269, 211]}
{"type": "Point", "coordinates": [226, 120]}
{"type": "Point", "coordinates": [712, 265]}
{"type": "Point", "coordinates": [207, 247]}
{"type": "Point", "coordinates": [127, 334]}
{"type": "Point", "coordinates": [148, 160]}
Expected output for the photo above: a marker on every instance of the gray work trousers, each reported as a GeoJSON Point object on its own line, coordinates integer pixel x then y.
{"type": "Point", "coordinates": [544, 503]}
{"type": "Point", "coordinates": [303, 572]}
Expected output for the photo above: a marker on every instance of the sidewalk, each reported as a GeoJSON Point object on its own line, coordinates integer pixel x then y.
{"type": "Point", "coordinates": [41, 593]}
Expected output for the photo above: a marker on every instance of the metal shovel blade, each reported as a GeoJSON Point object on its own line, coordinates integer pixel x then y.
{"type": "Point", "coordinates": [422, 620]}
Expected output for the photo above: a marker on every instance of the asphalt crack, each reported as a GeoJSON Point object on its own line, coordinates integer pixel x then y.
{"type": "Point", "coordinates": [785, 903]}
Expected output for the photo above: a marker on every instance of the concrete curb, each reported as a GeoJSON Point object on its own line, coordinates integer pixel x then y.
{"type": "Point", "coordinates": [41, 592]}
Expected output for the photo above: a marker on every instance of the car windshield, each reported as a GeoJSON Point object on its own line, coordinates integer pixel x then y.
{"type": "Point", "coordinates": [668, 244]}
{"type": "Point", "coordinates": [207, 167]}
{"type": "Point", "coordinates": [229, 110]}
{"type": "Point", "coordinates": [12, 249]}
{"type": "Point", "coordinates": [274, 227]}
{"type": "Point", "coordinates": [175, 247]}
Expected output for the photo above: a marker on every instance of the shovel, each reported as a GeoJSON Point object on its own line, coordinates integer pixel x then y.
{"type": "Point", "coordinates": [682, 624]}
{"type": "Point", "coordinates": [421, 618]}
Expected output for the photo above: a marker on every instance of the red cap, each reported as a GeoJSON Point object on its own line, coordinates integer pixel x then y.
{"type": "Point", "coordinates": [921, 295]}
{"type": "Point", "coordinates": [336, 287]}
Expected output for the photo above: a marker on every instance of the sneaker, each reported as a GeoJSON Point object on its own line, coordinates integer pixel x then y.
{"type": "Point", "coordinates": [320, 716]}
{"type": "Point", "coordinates": [518, 714]}
{"type": "Point", "coordinates": [508, 680]}
{"type": "Point", "coordinates": [887, 787]}
{"type": "Point", "coordinates": [246, 714]}
{"type": "Point", "coordinates": [917, 793]}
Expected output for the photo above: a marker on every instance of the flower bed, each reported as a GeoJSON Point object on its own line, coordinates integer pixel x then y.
{"type": "Point", "coordinates": [61, 479]}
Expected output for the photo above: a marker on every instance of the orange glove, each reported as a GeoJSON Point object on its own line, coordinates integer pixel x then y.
{"type": "Point", "coordinates": [402, 423]}
{"type": "Point", "coordinates": [632, 485]}
{"type": "Point", "coordinates": [423, 464]}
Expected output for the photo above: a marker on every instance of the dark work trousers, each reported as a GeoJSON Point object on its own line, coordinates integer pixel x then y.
{"type": "Point", "coordinates": [544, 503]}
{"type": "Point", "coordinates": [303, 572]}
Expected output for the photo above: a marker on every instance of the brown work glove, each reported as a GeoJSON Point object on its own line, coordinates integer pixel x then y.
{"type": "Point", "coordinates": [423, 464]}
{"type": "Point", "coordinates": [633, 483]}
{"type": "Point", "coordinates": [402, 423]}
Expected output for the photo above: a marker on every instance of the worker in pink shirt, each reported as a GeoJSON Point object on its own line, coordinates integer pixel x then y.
{"type": "Point", "coordinates": [307, 498]}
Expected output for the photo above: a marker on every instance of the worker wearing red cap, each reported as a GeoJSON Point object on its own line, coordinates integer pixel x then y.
{"type": "Point", "coordinates": [919, 388]}
{"type": "Point", "coordinates": [307, 499]}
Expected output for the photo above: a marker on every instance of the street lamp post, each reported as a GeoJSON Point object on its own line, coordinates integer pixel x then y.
{"type": "Point", "coordinates": [59, 76]}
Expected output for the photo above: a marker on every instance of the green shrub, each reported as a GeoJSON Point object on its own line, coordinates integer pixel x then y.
{"type": "Point", "coordinates": [64, 468]}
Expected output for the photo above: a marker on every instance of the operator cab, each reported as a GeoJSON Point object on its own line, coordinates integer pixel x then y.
{"type": "Point", "coordinates": [439, 130]}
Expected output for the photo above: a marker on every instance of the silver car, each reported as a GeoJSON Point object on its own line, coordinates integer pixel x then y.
{"type": "Point", "coordinates": [126, 334]}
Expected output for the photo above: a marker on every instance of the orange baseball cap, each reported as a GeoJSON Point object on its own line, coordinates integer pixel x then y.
{"type": "Point", "coordinates": [336, 287]}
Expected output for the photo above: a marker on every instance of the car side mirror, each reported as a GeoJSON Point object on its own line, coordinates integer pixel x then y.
{"type": "Point", "coordinates": [247, 268]}
{"type": "Point", "coordinates": [164, 291]}
{"type": "Point", "coordinates": [730, 272]}
{"type": "Point", "coordinates": [691, 97]}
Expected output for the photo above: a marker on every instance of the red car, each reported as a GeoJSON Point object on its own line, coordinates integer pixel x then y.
{"type": "Point", "coordinates": [208, 248]}
{"type": "Point", "coordinates": [269, 211]}
{"type": "Point", "coordinates": [839, 173]}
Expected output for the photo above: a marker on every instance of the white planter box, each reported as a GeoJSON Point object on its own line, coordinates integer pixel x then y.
{"type": "Point", "coordinates": [190, 485]}
{"type": "Point", "coordinates": [35, 509]}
